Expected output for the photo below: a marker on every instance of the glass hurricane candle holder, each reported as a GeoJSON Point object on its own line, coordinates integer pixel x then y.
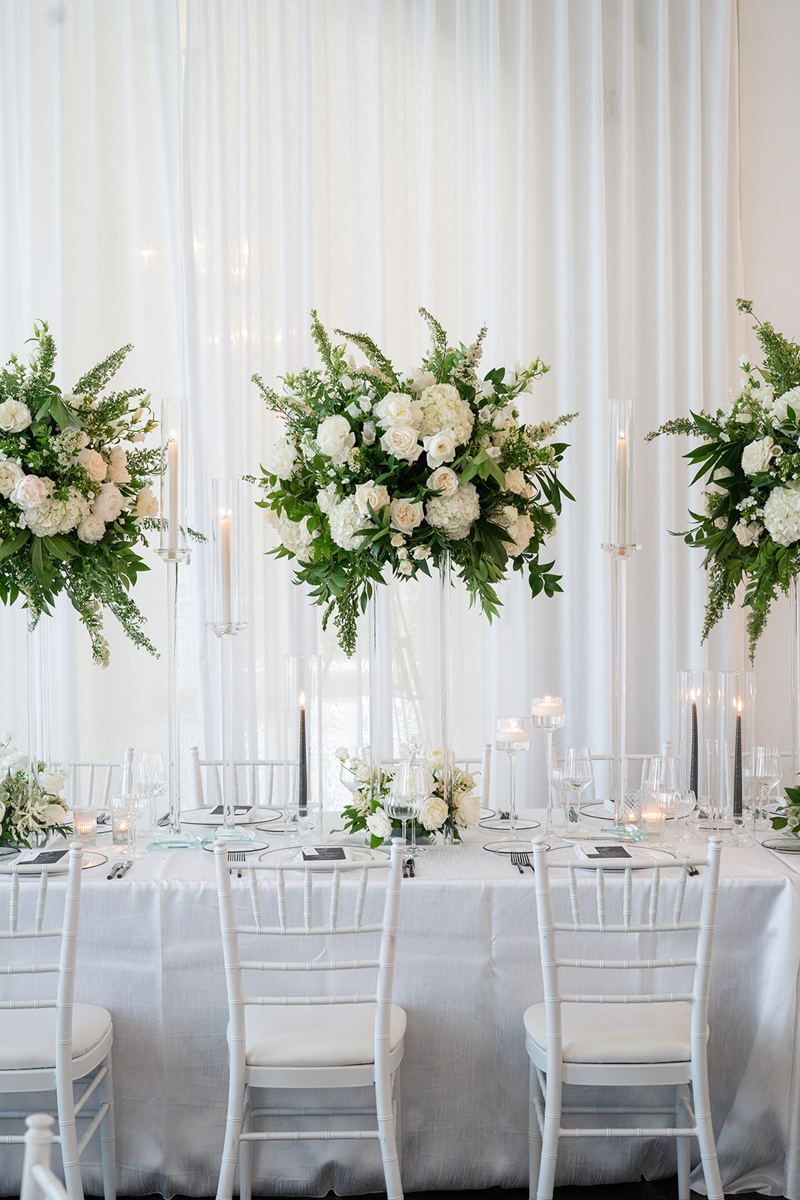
{"type": "Point", "coordinates": [548, 713]}
{"type": "Point", "coordinates": [303, 811]}
{"type": "Point", "coordinates": [736, 712]}
{"type": "Point", "coordinates": [511, 735]}
{"type": "Point", "coordinates": [696, 735]}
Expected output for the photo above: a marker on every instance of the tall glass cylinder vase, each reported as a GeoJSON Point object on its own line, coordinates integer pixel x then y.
{"type": "Point", "coordinates": [304, 747]}
{"type": "Point", "coordinates": [697, 712]}
{"type": "Point", "coordinates": [736, 729]}
{"type": "Point", "coordinates": [229, 509]}
{"type": "Point", "coordinates": [445, 679]}
{"type": "Point", "coordinates": [173, 549]}
{"type": "Point", "coordinates": [39, 695]}
{"type": "Point", "coordinates": [794, 601]}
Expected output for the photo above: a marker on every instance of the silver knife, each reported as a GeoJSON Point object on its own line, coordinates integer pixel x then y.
{"type": "Point", "coordinates": [126, 866]}
{"type": "Point", "coordinates": [112, 873]}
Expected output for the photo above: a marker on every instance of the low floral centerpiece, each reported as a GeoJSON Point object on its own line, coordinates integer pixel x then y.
{"type": "Point", "coordinates": [437, 814]}
{"type": "Point", "coordinates": [385, 472]}
{"type": "Point", "coordinates": [74, 491]}
{"type": "Point", "coordinates": [30, 806]}
{"type": "Point", "coordinates": [750, 461]}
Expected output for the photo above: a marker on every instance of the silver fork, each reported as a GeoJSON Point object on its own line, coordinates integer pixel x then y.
{"type": "Point", "coordinates": [520, 860]}
{"type": "Point", "coordinates": [237, 856]}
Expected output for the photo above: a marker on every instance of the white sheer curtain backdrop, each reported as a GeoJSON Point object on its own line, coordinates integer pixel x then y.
{"type": "Point", "coordinates": [566, 170]}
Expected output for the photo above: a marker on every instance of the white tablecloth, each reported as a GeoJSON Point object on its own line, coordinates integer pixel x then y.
{"type": "Point", "coordinates": [467, 967]}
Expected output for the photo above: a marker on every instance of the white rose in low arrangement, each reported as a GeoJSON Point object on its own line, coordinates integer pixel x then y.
{"type": "Point", "coordinates": [379, 824]}
{"type": "Point", "coordinates": [406, 514]}
{"type": "Point", "coordinates": [394, 468]}
{"type": "Point", "coordinates": [433, 813]}
{"type": "Point", "coordinates": [10, 474]}
{"type": "Point", "coordinates": [468, 810]}
{"type": "Point", "coordinates": [30, 807]}
{"type": "Point", "coordinates": [15, 416]}
{"type": "Point", "coordinates": [756, 457]}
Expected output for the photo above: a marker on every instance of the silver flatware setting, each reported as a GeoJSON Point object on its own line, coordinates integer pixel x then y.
{"type": "Point", "coordinates": [520, 861]}
{"type": "Point", "coordinates": [237, 856]}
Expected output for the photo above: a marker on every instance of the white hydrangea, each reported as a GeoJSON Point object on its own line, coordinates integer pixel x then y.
{"type": "Point", "coordinates": [282, 458]}
{"type": "Point", "coordinates": [782, 514]}
{"type": "Point", "coordinates": [345, 520]}
{"type": "Point", "coordinates": [57, 516]}
{"type": "Point", "coordinates": [454, 514]}
{"type": "Point", "coordinates": [295, 535]}
{"type": "Point", "coordinates": [443, 408]}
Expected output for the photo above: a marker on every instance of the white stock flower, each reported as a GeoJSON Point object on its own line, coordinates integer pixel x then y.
{"type": "Point", "coordinates": [379, 824]}
{"type": "Point", "coordinates": [93, 464]}
{"type": "Point", "coordinates": [295, 535]}
{"type": "Point", "coordinates": [91, 529]}
{"type": "Point", "coordinates": [757, 455]}
{"type": "Point", "coordinates": [334, 436]}
{"type": "Point", "coordinates": [369, 495]}
{"type": "Point", "coordinates": [790, 399]}
{"type": "Point", "coordinates": [454, 514]}
{"type": "Point", "coordinates": [747, 534]}
{"type": "Point", "coordinates": [108, 503]}
{"type": "Point", "coordinates": [517, 483]}
{"type": "Point", "coordinates": [444, 481]}
{"type": "Point", "coordinates": [282, 458]}
{"type": "Point", "coordinates": [782, 514]}
{"type": "Point", "coordinates": [10, 475]}
{"type": "Point", "coordinates": [440, 447]}
{"type": "Point", "coordinates": [433, 813]}
{"type": "Point", "coordinates": [326, 498]}
{"type": "Point", "coordinates": [368, 433]}
{"type": "Point", "coordinates": [146, 504]}
{"type": "Point", "coordinates": [397, 408]}
{"type": "Point", "coordinates": [406, 514]}
{"type": "Point", "coordinates": [421, 380]}
{"type": "Point", "coordinates": [118, 466]}
{"type": "Point", "coordinates": [30, 491]}
{"type": "Point", "coordinates": [14, 416]}
{"type": "Point", "coordinates": [401, 442]}
{"type": "Point", "coordinates": [345, 520]}
{"type": "Point", "coordinates": [442, 407]}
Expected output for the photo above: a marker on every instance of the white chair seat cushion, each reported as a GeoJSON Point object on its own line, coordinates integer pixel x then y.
{"type": "Point", "coordinates": [28, 1035]}
{"type": "Point", "coordinates": [335, 1035]}
{"type": "Point", "coordinates": [618, 1033]}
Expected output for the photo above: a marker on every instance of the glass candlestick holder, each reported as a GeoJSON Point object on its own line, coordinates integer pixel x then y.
{"type": "Point", "coordinates": [511, 735]}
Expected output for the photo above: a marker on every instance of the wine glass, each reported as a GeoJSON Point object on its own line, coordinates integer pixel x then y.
{"type": "Point", "coordinates": [766, 772]}
{"type": "Point", "coordinates": [576, 775]}
{"type": "Point", "coordinates": [407, 791]}
{"type": "Point", "coordinates": [512, 735]}
{"type": "Point", "coordinates": [548, 713]}
{"type": "Point", "coordinates": [151, 779]}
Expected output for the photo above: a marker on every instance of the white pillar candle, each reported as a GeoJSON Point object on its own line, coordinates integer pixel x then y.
{"type": "Point", "coordinates": [225, 567]}
{"type": "Point", "coordinates": [622, 490]}
{"type": "Point", "coordinates": [174, 498]}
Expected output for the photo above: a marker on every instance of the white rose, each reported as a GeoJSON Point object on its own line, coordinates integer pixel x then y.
{"type": "Point", "coordinates": [118, 466]}
{"type": "Point", "coordinates": [369, 496]}
{"type": "Point", "coordinates": [440, 447]}
{"type": "Point", "coordinates": [146, 504]}
{"type": "Point", "coordinates": [407, 514]}
{"type": "Point", "coordinates": [379, 824]}
{"type": "Point", "coordinates": [396, 408]}
{"type": "Point", "coordinates": [30, 491]}
{"type": "Point", "coordinates": [405, 568]}
{"type": "Point", "coordinates": [282, 459]}
{"type": "Point", "coordinates": [51, 781]}
{"type": "Point", "coordinates": [780, 404]}
{"type": "Point", "coordinates": [91, 529]}
{"type": "Point", "coordinates": [422, 380]}
{"type": "Point", "coordinates": [108, 503]}
{"type": "Point", "coordinates": [326, 498]}
{"type": "Point", "coordinates": [468, 810]}
{"type": "Point", "coordinates": [14, 416]}
{"type": "Point", "coordinates": [747, 534]}
{"type": "Point", "coordinates": [14, 761]}
{"type": "Point", "coordinates": [363, 773]}
{"type": "Point", "coordinates": [756, 456]}
{"type": "Point", "coordinates": [744, 416]}
{"type": "Point", "coordinates": [401, 442]}
{"type": "Point", "coordinates": [53, 814]}
{"type": "Point", "coordinates": [433, 813]}
{"type": "Point", "coordinates": [397, 539]}
{"type": "Point", "coordinates": [93, 464]}
{"type": "Point", "coordinates": [444, 481]}
{"type": "Point", "coordinates": [368, 433]}
{"type": "Point", "coordinates": [421, 552]}
{"type": "Point", "coordinates": [782, 514]}
{"type": "Point", "coordinates": [334, 436]}
{"type": "Point", "coordinates": [10, 475]}
{"type": "Point", "coordinates": [517, 483]}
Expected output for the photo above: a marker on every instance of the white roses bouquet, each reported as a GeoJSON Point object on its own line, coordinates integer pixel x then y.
{"type": "Point", "coordinates": [74, 494]}
{"type": "Point", "coordinates": [29, 804]}
{"type": "Point", "coordinates": [750, 460]}
{"type": "Point", "coordinates": [380, 468]}
{"type": "Point", "coordinates": [437, 814]}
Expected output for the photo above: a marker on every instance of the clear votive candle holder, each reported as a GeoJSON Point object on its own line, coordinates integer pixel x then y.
{"type": "Point", "coordinates": [120, 826]}
{"type": "Point", "coordinates": [84, 825]}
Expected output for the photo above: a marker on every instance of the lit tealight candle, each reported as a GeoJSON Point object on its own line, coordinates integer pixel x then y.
{"type": "Point", "coordinates": [548, 708]}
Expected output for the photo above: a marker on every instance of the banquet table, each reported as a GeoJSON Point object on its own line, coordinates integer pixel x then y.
{"type": "Point", "coordinates": [467, 967]}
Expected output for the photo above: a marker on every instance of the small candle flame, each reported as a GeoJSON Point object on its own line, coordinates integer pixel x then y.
{"type": "Point", "coordinates": [302, 699]}
{"type": "Point", "coordinates": [622, 435]}
{"type": "Point", "coordinates": [739, 706]}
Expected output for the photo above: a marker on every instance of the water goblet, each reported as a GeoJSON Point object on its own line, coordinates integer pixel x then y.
{"type": "Point", "coordinates": [576, 775]}
{"type": "Point", "coordinates": [406, 793]}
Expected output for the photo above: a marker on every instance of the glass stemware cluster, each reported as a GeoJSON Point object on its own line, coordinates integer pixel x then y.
{"type": "Point", "coordinates": [139, 788]}
{"type": "Point", "coordinates": [408, 789]}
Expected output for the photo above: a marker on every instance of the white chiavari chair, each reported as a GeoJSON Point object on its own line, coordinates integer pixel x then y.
{"type": "Point", "coordinates": [619, 1040]}
{"type": "Point", "coordinates": [311, 1040]}
{"type": "Point", "coordinates": [38, 1181]}
{"type": "Point", "coordinates": [48, 1044]}
{"type": "Point", "coordinates": [81, 785]}
{"type": "Point", "coordinates": [256, 780]}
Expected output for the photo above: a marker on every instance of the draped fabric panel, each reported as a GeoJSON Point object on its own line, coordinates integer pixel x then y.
{"type": "Point", "coordinates": [565, 171]}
